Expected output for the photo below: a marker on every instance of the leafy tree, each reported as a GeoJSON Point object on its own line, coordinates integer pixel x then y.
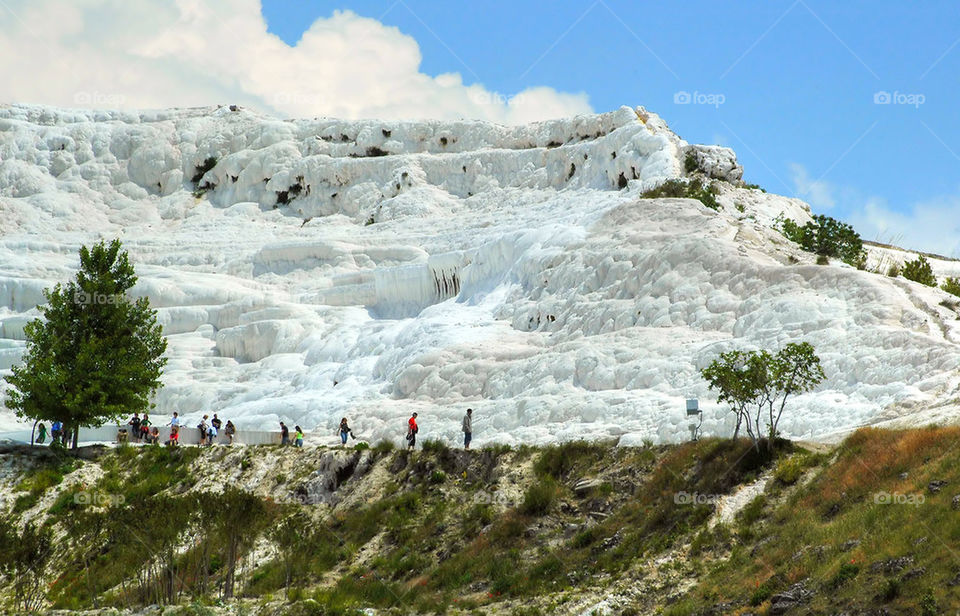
{"type": "Point", "coordinates": [241, 517]}
{"type": "Point", "coordinates": [95, 354]}
{"type": "Point", "coordinates": [757, 384]}
{"type": "Point", "coordinates": [919, 270]}
{"type": "Point", "coordinates": [827, 237]}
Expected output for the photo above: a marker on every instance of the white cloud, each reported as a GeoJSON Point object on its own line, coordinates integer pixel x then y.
{"type": "Point", "coordinates": [817, 193]}
{"type": "Point", "coordinates": [929, 226]}
{"type": "Point", "coordinates": [154, 53]}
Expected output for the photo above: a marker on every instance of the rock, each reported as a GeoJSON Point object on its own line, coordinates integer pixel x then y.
{"type": "Point", "coordinates": [849, 545]}
{"type": "Point", "coordinates": [909, 575]}
{"type": "Point", "coordinates": [904, 475]}
{"type": "Point", "coordinates": [782, 602]}
{"type": "Point", "coordinates": [585, 486]}
{"type": "Point", "coordinates": [717, 162]}
{"type": "Point", "coordinates": [891, 565]}
{"type": "Point", "coordinates": [935, 485]}
{"type": "Point", "coordinates": [955, 503]}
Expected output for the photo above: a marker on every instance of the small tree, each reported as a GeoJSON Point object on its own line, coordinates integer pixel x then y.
{"type": "Point", "coordinates": [951, 285]}
{"type": "Point", "coordinates": [919, 270]}
{"type": "Point", "coordinates": [24, 558]}
{"type": "Point", "coordinates": [756, 383]}
{"type": "Point", "coordinates": [95, 354]}
{"type": "Point", "coordinates": [827, 237]}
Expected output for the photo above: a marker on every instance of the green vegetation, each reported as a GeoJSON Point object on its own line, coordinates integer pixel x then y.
{"type": "Point", "coordinates": [757, 385]}
{"type": "Point", "coordinates": [919, 270]}
{"type": "Point", "coordinates": [502, 526]}
{"type": "Point", "coordinates": [827, 237]}
{"type": "Point", "coordinates": [951, 285]}
{"type": "Point", "coordinates": [686, 189]}
{"type": "Point", "coordinates": [94, 354]}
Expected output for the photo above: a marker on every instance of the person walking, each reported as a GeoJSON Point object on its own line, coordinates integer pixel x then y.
{"type": "Point", "coordinates": [345, 431]}
{"type": "Point", "coordinates": [412, 429]}
{"type": "Point", "coordinates": [297, 436]}
{"type": "Point", "coordinates": [230, 430]}
{"type": "Point", "coordinates": [467, 428]}
{"type": "Point", "coordinates": [55, 429]}
{"type": "Point", "coordinates": [284, 434]}
{"type": "Point", "coordinates": [41, 434]}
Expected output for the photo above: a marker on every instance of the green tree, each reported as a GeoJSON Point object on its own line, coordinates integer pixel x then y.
{"type": "Point", "coordinates": [827, 237]}
{"type": "Point", "coordinates": [919, 270]}
{"type": "Point", "coordinates": [756, 383]}
{"type": "Point", "coordinates": [95, 354]}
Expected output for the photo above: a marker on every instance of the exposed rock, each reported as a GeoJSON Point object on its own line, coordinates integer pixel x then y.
{"type": "Point", "coordinates": [891, 565]}
{"type": "Point", "coordinates": [936, 485]}
{"type": "Point", "coordinates": [716, 161]}
{"type": "Point", "coordinates": [585, 486]}
{"type": "Point", "coordinates": [781, 602]}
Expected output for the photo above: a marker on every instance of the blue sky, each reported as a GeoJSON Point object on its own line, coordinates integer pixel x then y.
{"type": "Point", "coordinates": [797, 80]}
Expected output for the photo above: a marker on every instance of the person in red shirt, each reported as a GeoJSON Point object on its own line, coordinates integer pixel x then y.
{"type": "Point", "coordinates": [412, 430]}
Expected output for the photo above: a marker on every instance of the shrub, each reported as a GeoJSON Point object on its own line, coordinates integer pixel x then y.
{"type": "Point", "coordinates": [539, 497]}
{"type": "Point", "coordinates": [919, 270]}
{"type": "Point", "coordinates": [201, 169]}
{"type": "Point", "coordinates": [690, 163]}
{"type": "Point", "coordinates": [827, 237]}
{"type": "Point", "coordinates": [694, 189]}
{"type": "Point", "coordinates": [847, 572]}
{"type": "Point", "coordinates": [952, 286]}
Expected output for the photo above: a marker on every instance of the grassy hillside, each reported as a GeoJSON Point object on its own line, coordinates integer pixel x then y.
{"type": "Point", "coordinates": [713, 527]}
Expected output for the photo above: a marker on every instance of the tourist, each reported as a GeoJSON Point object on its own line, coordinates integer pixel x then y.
{"type": "Point", "coordinates": [412, 429]}
{"type": "Point", "coordinates": [215, 422]}
{"type": "Point", "coordinates": [211, 433]}
{"type": "Point", "coordinates": [55, 429]}
{"type": "Point", "coordinates": [145, 427]}
{"type": "Point", "coordinates": [134, 424]}
{"type": "Point", "coordinates": [174, 435]}
{"type": "Point", "coordinates": [230, 430]}
{"type": "Point", "coordinates": [297, 436]}
{"type": "Point", "coordinates": [284, 434]}
{"type": "Point", "coordinates": [202, 427]}
{"type": "Point", "coordinates": [41, 434]}
{"type": "Point", "coordinates": [467, 428]}
{"type": "Point", "coordinates": [345, 431]}
{"type": "Point", "coordinates": [154, 437]}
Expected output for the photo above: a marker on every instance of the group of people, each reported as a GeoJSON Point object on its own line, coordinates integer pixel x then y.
{"type": "Point", "coordinates": [142, 430]}
{"type": "Point", "coordinates": [466, 426]}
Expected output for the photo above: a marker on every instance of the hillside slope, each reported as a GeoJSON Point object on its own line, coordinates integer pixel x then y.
{"type": "Point", "coordinates": [702, 528]}
{"type": "Point", "coordinates": [306, 270]}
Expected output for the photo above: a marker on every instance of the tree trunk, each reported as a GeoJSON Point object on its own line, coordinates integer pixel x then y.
{"type": "Point", "coordinates": [76, 434]}
{"type": "Point", "coordinates": [33, 430]}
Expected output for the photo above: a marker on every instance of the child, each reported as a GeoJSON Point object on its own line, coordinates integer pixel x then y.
{"type": "Point", "coordinates": [41, 434]}
{"type": "Point", "coordinates": [298, 437]}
